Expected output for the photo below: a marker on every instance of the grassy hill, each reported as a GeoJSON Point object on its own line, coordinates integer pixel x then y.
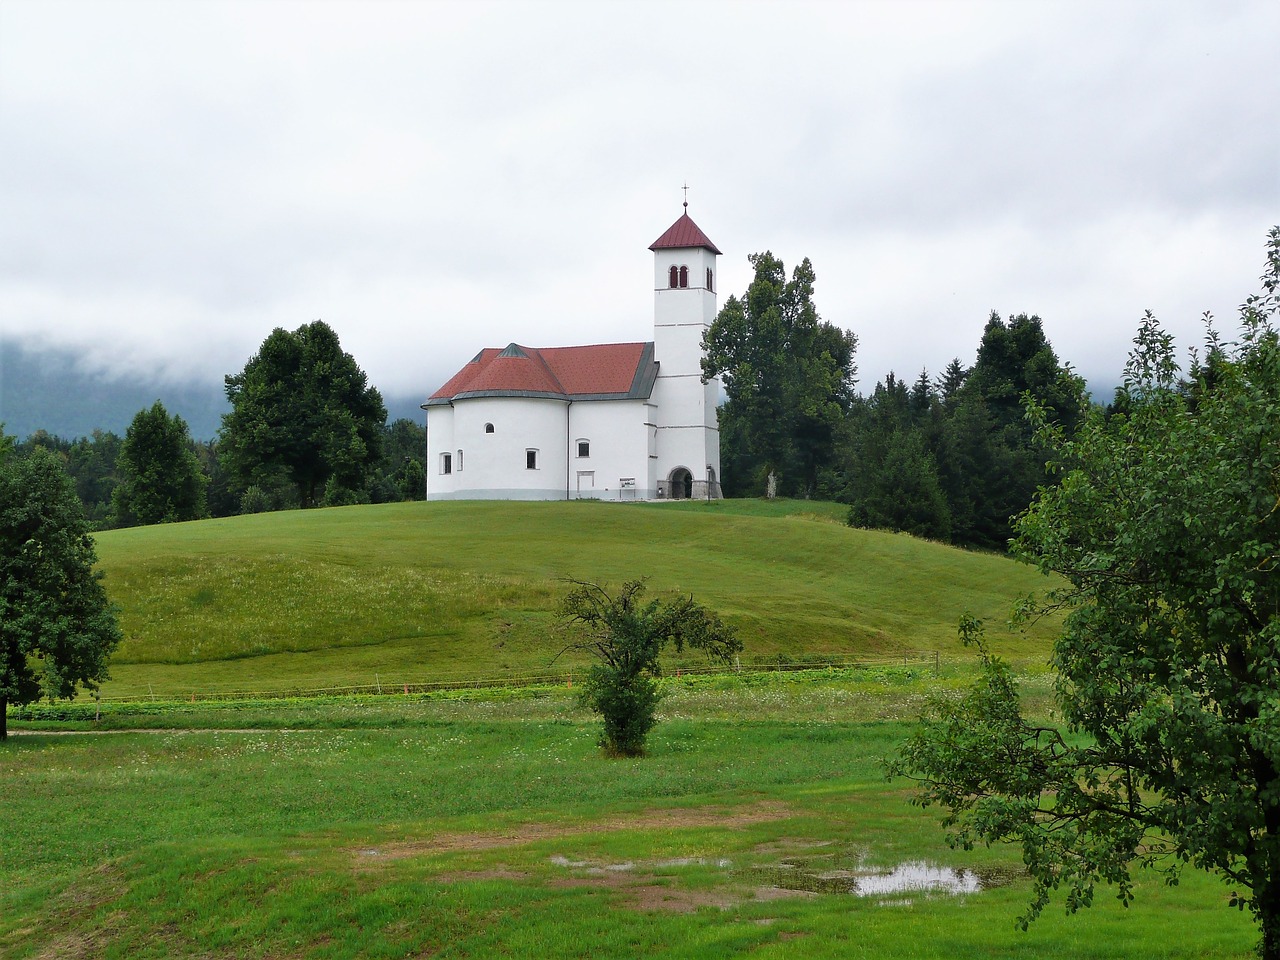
{"type": "Point", "coordinates": [427, 591]}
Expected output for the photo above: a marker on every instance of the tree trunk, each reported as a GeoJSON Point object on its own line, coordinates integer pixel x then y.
{"type": "Point", "coordinates": [1266, 881]}
{"type": "Point", "coordinates": [4, 718]}
{"type": "Point", "coordinates": [1266, 906]}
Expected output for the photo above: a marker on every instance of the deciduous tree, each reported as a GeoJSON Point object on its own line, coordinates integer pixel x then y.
{"type": "Point", "coordinates": [57, 629]}
{"type": "Point", "coordinates": [302, 410]}
{"type": "Point", "coordinates": [625, 636]}
{"type": "Point", "coordinates": [1166, 530]}
{"type": "Point", "coordinates": [788, 378]}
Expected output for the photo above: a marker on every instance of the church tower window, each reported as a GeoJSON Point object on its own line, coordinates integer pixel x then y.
{"type": "Point", "coordinates": [709, 286]}
{"type": "Point", "coordinates": [488, 428]}
{"type": "Point", "coordinates": [673, 278]}
{"type": "Point", "coordinates": [684, 277]}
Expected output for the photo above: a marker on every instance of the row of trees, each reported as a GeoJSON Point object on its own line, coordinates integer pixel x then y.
{"type": "Point", "coordinates": [305, 429]}
{"type": "Point", "coordinates": [951, 459]}
{"type": "Point", "coordinates": [954, 459]}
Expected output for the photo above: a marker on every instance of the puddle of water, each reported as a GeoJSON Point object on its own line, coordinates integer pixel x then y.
{"type": "Point", "coordinates": [721, 862]}
{"type": "Point", "coordinates": [916, 877]}
{"type": "Point", "coordinates": [894, 886]}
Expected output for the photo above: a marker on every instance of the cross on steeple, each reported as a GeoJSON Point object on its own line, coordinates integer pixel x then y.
{"type": "Point", "coordinates": [686, 196]}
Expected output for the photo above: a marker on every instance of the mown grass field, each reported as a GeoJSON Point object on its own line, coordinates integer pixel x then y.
{"type": "Point", "coordinates": [426, 591]}
{"type": "Point", "coordinates": [384, 827]}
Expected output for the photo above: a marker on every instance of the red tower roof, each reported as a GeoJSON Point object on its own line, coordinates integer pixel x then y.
{"type": "Point", "coordinates": [684, 233]}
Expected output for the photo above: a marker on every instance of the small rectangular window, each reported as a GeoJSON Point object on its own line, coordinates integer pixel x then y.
{"type": "Point", "coordinates": [531, 459]}
{"type": "Point", "coordinates": [459, 461]}
{"type": "Point", "coordinates": [446, 463]}
{"type": "Point", "coordinates": [584, 448]}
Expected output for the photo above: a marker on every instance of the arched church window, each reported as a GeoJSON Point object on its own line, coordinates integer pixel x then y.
{"type": "Point", "coordinates": [673, 278]}
{"type": "Point", "coordinates": [709, 286]}
{"type": "Point", "coordinates": [488, 428]}
{"type": "Point", "coordinates": [684, 276]}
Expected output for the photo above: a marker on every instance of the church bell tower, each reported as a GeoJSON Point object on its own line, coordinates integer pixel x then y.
{"type": "Point", "coordinates": [684, 307]}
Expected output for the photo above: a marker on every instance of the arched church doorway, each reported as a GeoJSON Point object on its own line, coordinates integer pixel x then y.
{"type": "Point", "coordinates": [681, 484]}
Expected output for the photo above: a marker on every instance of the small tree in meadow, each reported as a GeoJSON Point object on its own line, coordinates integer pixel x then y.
{"type": "Point", "coordinates": [626, 636]}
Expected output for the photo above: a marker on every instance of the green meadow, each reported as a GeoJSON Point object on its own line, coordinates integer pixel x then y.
{"type": "Point", "coordinates": [486, 823]}
{"type": "Point", "coordinates": [420, 592]}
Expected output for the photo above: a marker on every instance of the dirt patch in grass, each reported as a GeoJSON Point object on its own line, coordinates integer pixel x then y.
{"type": "Point", "coordinates": [766, 894]}
{"type": "Point", "coordinates": [636, 885]}
{"type": "Point", "coordinates": [790, 845]}
{"type": "Point", "coordinates": [639, 889]}
{"type": "Point", "coordinates": [81, 944]}
{"type": "Point", "coordinates": [644, 892]}
{"type": "Point", "coordinates": [69, 928]}
{"type": "Point", "coordinates": [765, 811]}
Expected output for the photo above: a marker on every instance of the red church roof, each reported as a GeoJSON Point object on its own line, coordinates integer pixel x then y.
{"type": "Point", "coordinates": [684, 233]}
{"type": "Point", "coordinates": [603, 371]}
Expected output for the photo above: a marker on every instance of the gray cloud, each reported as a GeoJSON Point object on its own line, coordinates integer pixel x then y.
{"type": "Point", "coordinates": [432, 178]}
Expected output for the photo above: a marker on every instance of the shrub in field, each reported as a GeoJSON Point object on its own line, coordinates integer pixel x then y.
{"type": "Point", "coordinates": [626, 636]}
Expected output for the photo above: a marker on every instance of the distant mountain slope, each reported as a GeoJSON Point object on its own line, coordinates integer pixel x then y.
{"type": "Point", "coordinates": [46, 390]}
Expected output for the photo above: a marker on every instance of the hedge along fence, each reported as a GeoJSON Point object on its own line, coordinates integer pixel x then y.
{"type": "Point", "coordinates": [819, 667]}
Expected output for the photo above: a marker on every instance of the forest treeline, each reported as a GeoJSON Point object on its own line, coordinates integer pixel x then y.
{"type": "Point", "coordinates": [305, 429]}
{"type": "Point", "coordinates": [93, 464]}
{"type": "Point", "coordinates": [948, 457]}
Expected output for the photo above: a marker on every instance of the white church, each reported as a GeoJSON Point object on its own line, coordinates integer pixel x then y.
{"type": "Point", "coordinates": [617, 421]}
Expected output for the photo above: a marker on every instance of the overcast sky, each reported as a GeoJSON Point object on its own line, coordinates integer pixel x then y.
{"type": "Point", "coordinates": [430, 178]}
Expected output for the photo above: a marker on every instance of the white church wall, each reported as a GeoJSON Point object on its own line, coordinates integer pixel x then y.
{"type": "Point", "coordinates": [440, 486]}
{"type": "Point", "coordinates": [678, 349]}
{"type": "Point", "coordinates": [616, 432]}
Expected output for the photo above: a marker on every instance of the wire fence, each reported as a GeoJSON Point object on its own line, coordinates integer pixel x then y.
{"type": "Point", "coordinates": [517, 681]}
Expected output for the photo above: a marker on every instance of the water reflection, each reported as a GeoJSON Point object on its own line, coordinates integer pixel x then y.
{"type": "Point", "coordinates": [916, 877]}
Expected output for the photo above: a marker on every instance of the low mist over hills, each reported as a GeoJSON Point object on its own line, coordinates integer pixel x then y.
{"type": "Point", "coordinates": [49, 390]}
